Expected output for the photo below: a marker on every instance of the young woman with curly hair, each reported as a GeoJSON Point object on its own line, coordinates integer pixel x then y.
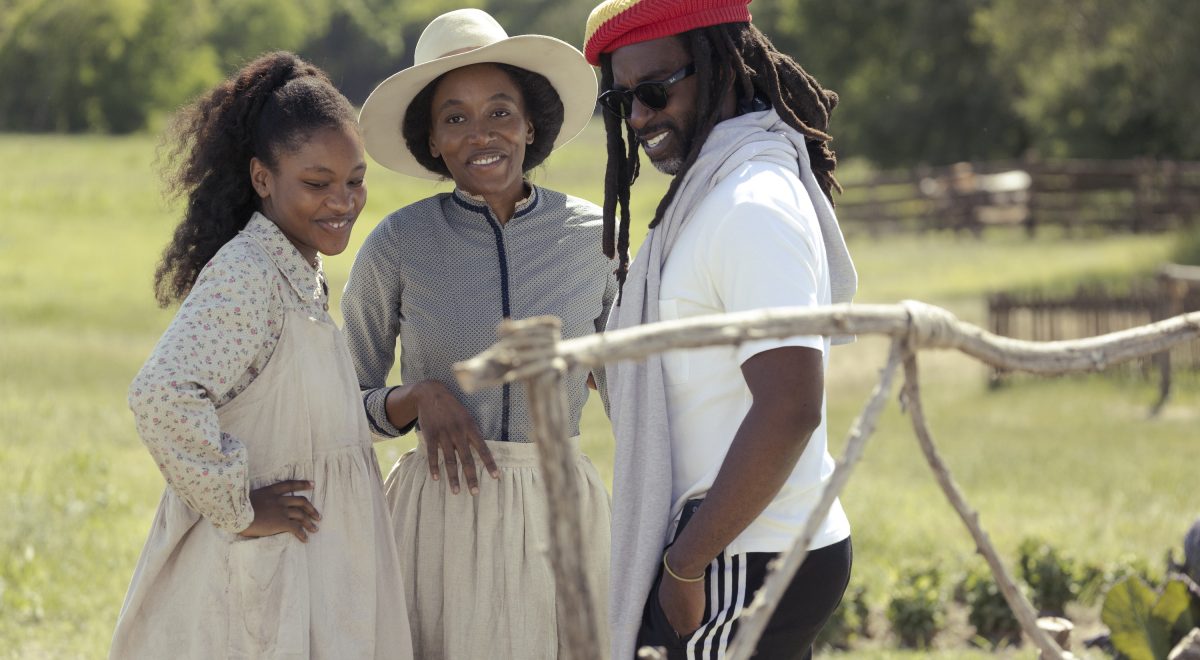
{"type": "Point", "coordinates": [271, 538]}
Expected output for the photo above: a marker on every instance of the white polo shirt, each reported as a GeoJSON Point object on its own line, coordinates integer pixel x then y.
{"type": "Point", "coordinates": [753, 242]}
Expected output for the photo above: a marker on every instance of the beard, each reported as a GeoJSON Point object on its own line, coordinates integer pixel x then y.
{"type": "Point", "coordinates": [669, 166]}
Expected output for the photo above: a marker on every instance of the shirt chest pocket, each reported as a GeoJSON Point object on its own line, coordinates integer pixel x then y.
{"type": "Point", "coordinates": [676, 367]}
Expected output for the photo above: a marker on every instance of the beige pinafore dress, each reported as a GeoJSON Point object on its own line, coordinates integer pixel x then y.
{"type": "Point", "coordinates": [200, 592]}
{"type": "Point", "coordinates": [476, 568]}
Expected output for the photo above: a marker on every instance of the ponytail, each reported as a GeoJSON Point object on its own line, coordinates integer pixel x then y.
{"type": "Point", "coordinates": [269, 107]}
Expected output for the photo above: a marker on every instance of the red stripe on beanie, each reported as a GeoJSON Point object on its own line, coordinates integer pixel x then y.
{"type": "Point", "coordinates": [647, 20]}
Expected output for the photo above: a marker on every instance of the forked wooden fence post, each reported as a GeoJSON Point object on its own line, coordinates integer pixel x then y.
{"type": "Point", "coordinates": [530, 352]}
{"type": "Point", "coordinates": [533, 343]}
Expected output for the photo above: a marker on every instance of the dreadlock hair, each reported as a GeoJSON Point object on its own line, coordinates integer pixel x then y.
{"type": "Point", "coordinates": [729, 55]}
{"type": "Point", "coordinates": [267, 109]}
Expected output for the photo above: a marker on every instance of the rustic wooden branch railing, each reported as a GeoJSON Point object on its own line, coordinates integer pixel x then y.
{"type": "Point", "coordinates": [1097, 308]}
{"type": "Point", "coordinates": [530, 351]}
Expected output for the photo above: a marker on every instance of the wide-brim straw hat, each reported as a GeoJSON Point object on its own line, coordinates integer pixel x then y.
{"type": "Point", "coordinates": [461, 38]}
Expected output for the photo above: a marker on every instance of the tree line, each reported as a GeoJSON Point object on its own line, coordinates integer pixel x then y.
{"type": "Point", "coordinates": [921, 81]}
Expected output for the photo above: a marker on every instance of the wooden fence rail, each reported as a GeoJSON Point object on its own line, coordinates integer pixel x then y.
{"type": "Point", "coordinates": [1180, 288]}
{"type": "Point", "coordinates": [1095, 309]}
{"type": "Point", "coordinates": [531, 352]}
{"type": "Point", "coordinates": [1138, 195]}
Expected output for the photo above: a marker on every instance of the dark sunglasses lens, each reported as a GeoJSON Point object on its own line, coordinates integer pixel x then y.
{"type": "Point", "coordinates": [652, 95]}
{"type": "Point", "coordinates": [617, 102]}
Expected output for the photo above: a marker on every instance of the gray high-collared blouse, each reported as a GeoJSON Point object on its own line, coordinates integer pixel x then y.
{"type": "Point", "coordinates": [440, 274]}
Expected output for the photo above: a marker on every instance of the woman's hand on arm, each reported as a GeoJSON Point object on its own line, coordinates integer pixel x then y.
{"type": "Point", "coordinates": [447, 427]}
{"type": "Point", "coordinates": [278, 510]}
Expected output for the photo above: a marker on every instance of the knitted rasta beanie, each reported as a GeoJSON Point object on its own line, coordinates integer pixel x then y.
{"type": "Point", "coordinates": [617, 23]}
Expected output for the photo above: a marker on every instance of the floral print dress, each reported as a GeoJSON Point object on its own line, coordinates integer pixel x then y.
{"type": "Point", "coordinates": [252, 384]}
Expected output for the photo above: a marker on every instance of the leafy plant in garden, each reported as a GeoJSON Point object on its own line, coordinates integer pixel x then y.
{"type": "Point", "coordinates": [1050, 576]}
{"type": "Point", "coordinates": [916, 609]}
{"type": "Point", "coordinates": [988, 612]}
{"type": "Point", "coordinates": [1094, 580]}
{"type": "Point", "coordinates": [1146, 624]}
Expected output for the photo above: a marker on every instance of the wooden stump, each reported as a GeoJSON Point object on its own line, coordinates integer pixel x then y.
{"type": "Point", "coordinates": [1059, 630]}
{"type": "Point", "coordinates": [1188, 648]}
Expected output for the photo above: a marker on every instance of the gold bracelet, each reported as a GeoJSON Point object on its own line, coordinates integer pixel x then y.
{"type": "Point", "coordinates": [677, 577]}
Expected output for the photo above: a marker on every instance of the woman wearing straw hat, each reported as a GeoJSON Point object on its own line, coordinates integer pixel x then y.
{"type": "Point", "coordinates": [483, 109]}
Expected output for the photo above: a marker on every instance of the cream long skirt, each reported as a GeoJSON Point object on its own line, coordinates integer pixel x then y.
{"type": "Point", "coordinates": [476, 574]}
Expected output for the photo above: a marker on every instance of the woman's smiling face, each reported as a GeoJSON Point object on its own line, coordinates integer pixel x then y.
{"type": "Point", "coordinates": [480, 130]}
{"type": "Point", "coordinates": [315, 191]}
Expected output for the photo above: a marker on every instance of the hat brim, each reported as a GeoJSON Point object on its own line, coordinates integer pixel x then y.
{"type": "Point", "coordinates": [382, 115]}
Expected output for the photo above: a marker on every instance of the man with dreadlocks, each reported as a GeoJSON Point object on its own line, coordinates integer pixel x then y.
{"type": "Point", "coordinates": [721, 452]}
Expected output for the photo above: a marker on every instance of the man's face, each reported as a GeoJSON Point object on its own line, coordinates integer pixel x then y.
{"type": "Point", "coordinates": [665, 135]}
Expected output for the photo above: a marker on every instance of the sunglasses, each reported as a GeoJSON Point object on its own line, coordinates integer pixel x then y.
{"type": "Point", "coordinates": [651, 93]}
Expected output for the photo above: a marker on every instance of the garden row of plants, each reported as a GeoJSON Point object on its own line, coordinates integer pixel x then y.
{"type": "Point", "coordinates": [1147, 612]}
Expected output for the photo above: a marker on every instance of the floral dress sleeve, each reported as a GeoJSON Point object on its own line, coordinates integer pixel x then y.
{"type": "Point", "coordinates": [216, 344]}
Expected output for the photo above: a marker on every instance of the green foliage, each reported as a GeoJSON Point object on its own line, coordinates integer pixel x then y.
{"type": "Point", "coordinates": [1100, 78]}
{"type": "Point", "coordinates": [916, 609]}
{"type": "Point", "coordinates": [131, 59]}
{"type": "Point", "coordinates": [988, 612]}
{"type": "Point", "coordinates": [1187, 247]}
{"type": "Point", "coordinates": [913, 78]}
{"type": "Point", "coordinates": [1146, 625]}
{"type": "Point", "coordinates": [849, 622]}
{"type": "Point", "coordinates": [358, 56]}
{"type": "Point", "coordinates": [1094, 580]}
{"type": "Point", "coordinates": [245, 28]}
{"type": "Point", "coordinates": [60, 91]}
{"type": "Point", "coordinates": [1050, 576]}
{"type": "Point", "coordinates": [921, 81]}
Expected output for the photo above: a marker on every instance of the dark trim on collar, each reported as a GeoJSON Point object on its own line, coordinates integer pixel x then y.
{"type": "Point", "coordinates": [524, 207]}
{"type": "Point", "coordinates": [467, 203]}
{"type": "Point", "coordinates": [530, 202]}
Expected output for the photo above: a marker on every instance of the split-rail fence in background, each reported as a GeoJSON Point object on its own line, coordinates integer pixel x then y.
{"type": "Point", "coordinates": [1097, 309]}
{"type": "Point", "coordinates": [531, 352]}
{"type": "Point", "coordinates": [1082, 196]}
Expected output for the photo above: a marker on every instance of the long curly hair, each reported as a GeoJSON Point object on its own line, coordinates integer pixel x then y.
{"type": "Point", "coordinates": [542, 105]}
{"type": "Point", "coordinates": [735, 55]}
{"type": "Point", "coordinates": [268, 108]}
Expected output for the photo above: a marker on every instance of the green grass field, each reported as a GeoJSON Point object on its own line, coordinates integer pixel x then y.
{"type": "Point", "coordinates": [82, 222]}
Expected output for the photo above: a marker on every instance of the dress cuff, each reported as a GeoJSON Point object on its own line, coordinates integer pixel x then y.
{"type": "Point", "coordinates": [245, 518]}
{"type": "Point", "coordinates": [375, 404]}
{"type": "Point", "coordinates": [236, 520]}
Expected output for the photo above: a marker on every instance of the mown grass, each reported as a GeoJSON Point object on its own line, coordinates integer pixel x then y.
{"type": "Point", "coordinates": [82, 222]}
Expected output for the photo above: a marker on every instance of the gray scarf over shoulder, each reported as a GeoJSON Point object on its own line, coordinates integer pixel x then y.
{"type": "Point", "coordinates": [642, 471]}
